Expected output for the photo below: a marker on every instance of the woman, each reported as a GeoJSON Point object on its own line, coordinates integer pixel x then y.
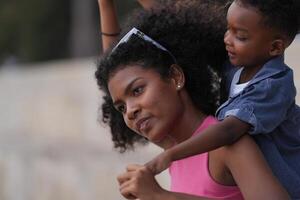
{"type": "Point", "coordinates": [160, 86]}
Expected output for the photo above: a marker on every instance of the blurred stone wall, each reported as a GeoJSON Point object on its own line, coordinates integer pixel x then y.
{"type": "Point", "coordinates": [51, 145]}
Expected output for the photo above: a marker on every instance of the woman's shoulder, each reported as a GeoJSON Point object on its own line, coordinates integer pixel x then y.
{"type": "Point", "coordinates": [244, 145]}
{"type": "Point", "coordinates": [247, 165]}
{"type": "Point", "coordinates": [241, 156]}
{"type": "Point", "coordinates": [243, 151]}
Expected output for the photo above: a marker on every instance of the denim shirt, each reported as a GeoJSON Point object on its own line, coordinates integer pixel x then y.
{"type": "Point", "coordinates": [267, 103]}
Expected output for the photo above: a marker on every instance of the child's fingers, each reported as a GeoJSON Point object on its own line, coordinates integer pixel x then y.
{"type": "Point", "coordinates": [133, 167]}
{"type": "Point", "coordinates": [151, 165]}
{"type": "Point", "coordinates": [127, 190]}
{"type": "Point", "coordinates": [130, 170]}
{"type": "Point", "coordinates": [124, 177]}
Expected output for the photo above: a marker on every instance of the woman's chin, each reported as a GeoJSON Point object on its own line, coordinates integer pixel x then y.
{"type": "Point", "coordinates": [164, 141]}
{"type": "Point", "coordinates": [154, 138]}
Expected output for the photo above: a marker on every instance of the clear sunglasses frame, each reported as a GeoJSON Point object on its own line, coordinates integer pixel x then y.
{"type": "Point", "coordinates": [140, 34]}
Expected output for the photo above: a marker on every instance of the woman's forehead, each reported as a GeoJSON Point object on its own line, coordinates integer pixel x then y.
{"type": "Point", "coordinates": [124, 72]}
{"type": "Point", "coordinates": [123, 76]}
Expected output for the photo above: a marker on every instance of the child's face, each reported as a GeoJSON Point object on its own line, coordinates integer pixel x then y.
{"type": "Point", "coordinates": [247, 40]}
{"type": "Point", "coordinates": [150, 105]}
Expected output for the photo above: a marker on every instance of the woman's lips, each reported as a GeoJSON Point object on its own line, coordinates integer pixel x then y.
{"type": "Point", "coordinates": [142, 124]}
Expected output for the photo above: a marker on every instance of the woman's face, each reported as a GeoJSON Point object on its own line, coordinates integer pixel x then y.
{"type": "Point", "coordinates": [150, 105]}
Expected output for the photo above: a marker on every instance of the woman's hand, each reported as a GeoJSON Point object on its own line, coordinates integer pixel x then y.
{"type": "Point", "coordinates": [139, 182]}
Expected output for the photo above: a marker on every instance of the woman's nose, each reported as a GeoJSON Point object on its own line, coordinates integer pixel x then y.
{"type": "Point", "coordinates": [132, 111]}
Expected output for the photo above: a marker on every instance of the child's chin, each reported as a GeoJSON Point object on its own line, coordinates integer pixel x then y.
{"type": "Point", "coordinates": [233, 61]}
{"type": "Point", "coordinates": [236, 64]}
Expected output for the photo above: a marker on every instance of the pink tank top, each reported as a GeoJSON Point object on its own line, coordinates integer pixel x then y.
{"type": "Point", "coordinates": [191, 175]}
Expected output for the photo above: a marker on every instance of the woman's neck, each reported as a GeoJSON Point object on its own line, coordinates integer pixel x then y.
{"type": "Point", "coordinates": [188, 125]}
{"type": "Point", "coordinates": [183, 130]}
{"type": "Point", "coordinates": [190, 120]}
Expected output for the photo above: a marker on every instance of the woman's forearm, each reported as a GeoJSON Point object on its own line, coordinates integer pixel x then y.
{"type": "Point", "coordinates": [108, 22]}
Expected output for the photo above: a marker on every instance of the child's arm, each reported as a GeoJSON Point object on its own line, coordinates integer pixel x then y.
{"type": "Point", "coordinates": [139, 182]}
{"type": "Point", "coordinates": [223, 133]}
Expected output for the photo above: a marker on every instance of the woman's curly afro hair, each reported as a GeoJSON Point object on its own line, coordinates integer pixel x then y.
{"type": "Point", "coordinates": [193, 34]}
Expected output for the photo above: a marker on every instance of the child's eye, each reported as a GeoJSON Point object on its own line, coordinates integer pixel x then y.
{"type": "Point", "coordinates": [138, 90]}
{"type": "Point", "coordinates": [241, 38]}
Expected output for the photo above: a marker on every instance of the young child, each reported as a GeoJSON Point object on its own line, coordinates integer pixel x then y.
{"type": "Point", "coordinates": [262, 93]}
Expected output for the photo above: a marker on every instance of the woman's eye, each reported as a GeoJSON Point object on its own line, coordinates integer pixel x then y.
{"type": "Point", "coordinates": [121, 108]}
{"type": "Point", "coordinates": [138, 90]}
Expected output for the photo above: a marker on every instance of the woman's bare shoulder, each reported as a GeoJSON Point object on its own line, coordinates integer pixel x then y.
{"type": "Point", "coordinates": [250, 170]}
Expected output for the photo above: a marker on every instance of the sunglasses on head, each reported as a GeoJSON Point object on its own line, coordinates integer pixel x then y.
{"type": "Point", "coordinates": [143, 36]}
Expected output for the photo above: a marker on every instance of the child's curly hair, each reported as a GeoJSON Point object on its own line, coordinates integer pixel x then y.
{"type": "Point", "coordinates": [196, 41]}
{"type": "Point", "coordinates": [282, 15]}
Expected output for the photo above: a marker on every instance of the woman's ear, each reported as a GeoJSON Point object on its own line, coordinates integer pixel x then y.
{"type": "Point", "coordinates": [177, 76]}
{"type": "Point", "coordinates": [277, 47]}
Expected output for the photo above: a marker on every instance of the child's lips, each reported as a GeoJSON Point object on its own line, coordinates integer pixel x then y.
{"type": "Point", "coordinates": [231, 54]}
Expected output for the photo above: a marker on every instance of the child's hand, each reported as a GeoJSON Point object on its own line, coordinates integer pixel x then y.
{"type": "Point", "coordinates": [139, 182]}
{"type": "Point", "coordinates": [159, 163]}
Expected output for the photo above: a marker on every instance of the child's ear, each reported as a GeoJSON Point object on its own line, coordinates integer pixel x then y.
{"type": "Point", "coordinates": [177, 76]}
{"type": "Point", "coordinates": [277, 47]}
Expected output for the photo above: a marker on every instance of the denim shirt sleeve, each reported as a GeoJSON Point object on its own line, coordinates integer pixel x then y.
{"type": "Point", "coordinates": [265, 104]}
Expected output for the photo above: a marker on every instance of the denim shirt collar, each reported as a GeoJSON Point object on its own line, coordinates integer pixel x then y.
{"type": "Point", "coordinates": [270, 68]}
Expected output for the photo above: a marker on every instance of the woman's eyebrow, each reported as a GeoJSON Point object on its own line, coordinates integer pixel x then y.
{"type": "Point", "coordinates": [127, 89]}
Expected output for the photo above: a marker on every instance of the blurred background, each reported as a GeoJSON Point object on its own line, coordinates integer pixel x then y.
{"type": "Point", "coordinates": [51, 144]}
{"type": "Point", "coordinates": [42, 30]}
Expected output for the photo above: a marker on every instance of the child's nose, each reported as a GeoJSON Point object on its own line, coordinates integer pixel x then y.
{"type": "Point", "coordinates": [227, 38]}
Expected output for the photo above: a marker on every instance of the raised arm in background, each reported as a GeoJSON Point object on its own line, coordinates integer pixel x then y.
{"type": "Point", "coordinates": [110, 27]}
